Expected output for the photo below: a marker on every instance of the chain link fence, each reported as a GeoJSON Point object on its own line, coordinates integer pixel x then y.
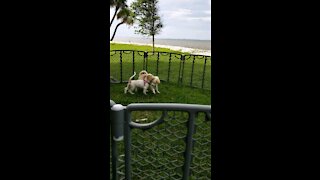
{"type": "Point", "coordinates": [160, 141]}
{"type": "Point", "coordinates": [182, 69]}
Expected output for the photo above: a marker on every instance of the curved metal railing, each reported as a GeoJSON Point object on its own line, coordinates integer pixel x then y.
{"type": "Point", "coordinates": [183, 69]}
{"type": "Point", "coordinates": [176, 145]}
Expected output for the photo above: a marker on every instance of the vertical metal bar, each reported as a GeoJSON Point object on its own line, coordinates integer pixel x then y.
{"type": "Point", "coordinates": [204, 70]}
{"type": "Point", "coordinates": [158, 64]}
{"type": "Point", "coordinates": [189, 145]}
{"type": "Point", "coordinates": [169, 68]}
{"type": "Point", "coordinates": [180, 69]}
{"type": "Point", "coordinates": [133, 63]}
{"type": "Point", "coordinates": [183, 61]}
{"type": "Point", "coordinates": [114, 152]}
{"type": "Point", "coordinates": [127, 145]}
{"type": "Point", "coordinates": [120, 66]}
{"type": "Point", "coordinates": [115, 164]}
{"type": "Point", "coordinates": [117, 119]}
{"type": "Point", "coordinates": [194, 57]}
{"type": "Point", "coordinates": [146, 60]}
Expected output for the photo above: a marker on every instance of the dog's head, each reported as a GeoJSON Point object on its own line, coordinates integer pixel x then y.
{"type": "Point", "coordinates": [149, 77]}
{"type": "Point", "coordinates": [143, 74]}
{"type": "Point", "coordinates": [156, 80]}
{"type": "Point", "coordinates": [153, 79]}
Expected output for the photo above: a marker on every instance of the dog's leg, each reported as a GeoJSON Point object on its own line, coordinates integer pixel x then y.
{"type": "Point", "coordinates": [145, 89]}
{"type": "Point", "coordinates": [131, 88]}
{"type": "Point", "coordinates": [152, 89]}
{"type": "Point", "coordinates": [157, 88]}
{"type": "Point", "coordinates": [126, 88]}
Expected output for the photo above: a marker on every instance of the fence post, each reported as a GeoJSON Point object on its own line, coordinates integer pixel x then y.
{"type": "Point", "coordinates": [194, 57]}
{"type": "Point", "coordinates": [189, 145]}
{"type": "Point", "coordinates": [181, 62]}
{"type": "Point", "coordinates": [204, 71]}
{"type": "Point", "coordinates": [158, 64]}
{"type": "Point", "coordinates": [169, 68]}
{"type": "Point", "coordinates": [145, 61]}
{"type": "Point", "coordinates": [117, 120]}
{"type": "Point", "coordinates": [120, 66]}
{"type": "Point", "coordinates": [133, 63]}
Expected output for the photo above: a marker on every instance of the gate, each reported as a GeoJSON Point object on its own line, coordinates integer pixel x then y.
{"type": "Point", "coordinates": [160, 141]}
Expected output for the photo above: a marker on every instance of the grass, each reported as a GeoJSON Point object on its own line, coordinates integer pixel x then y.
{"type": "Point", "coordinates": [157, 153]}
{"type": "Point", "coordinates": [115, 46]}
{"type": "Point", "coordinates": [168, 94]}
{"type": "Point", "coordinates": [171, 71]}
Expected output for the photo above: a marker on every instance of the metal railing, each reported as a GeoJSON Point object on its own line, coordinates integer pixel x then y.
{"type": "Point", "coordinates": [183, 69]}
{"type": "Point", "coordinates": [175, 145]}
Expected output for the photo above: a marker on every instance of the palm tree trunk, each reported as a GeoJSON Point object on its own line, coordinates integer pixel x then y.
{"type": "Point", "coordinates": [115, 30]}
{"type": "Point", "coordinates": [114, 15]}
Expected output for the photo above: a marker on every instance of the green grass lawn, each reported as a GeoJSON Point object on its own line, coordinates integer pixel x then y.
{"type": "Point", "coordinates": [194, 71]}
{"type": "Point", "coordinates": [169, 93]}
{"type": "Point", "coordinates": [157, 153]}
{"type": "Point", "coordinates": [115, 46]}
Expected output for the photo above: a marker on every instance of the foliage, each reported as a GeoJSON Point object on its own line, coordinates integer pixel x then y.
{"type": "Point", "coordinates": [146, 15]}
{"type": "Point", "coordinates": [126, 16]}
{"type": "Point", "coordinates": [118, 5]}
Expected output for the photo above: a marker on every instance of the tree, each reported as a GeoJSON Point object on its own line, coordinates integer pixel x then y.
{"type": "Point", "coordinates": [146, 15]}
{"type": "Point", "coordinates": [126, 16]}
{"type": "Point", "coordinates": [118, 5]}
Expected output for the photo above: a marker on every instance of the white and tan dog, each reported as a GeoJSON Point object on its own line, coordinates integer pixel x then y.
{"type": "Point", "coordinates": [133, 85]}
{"type": "Point", "coordinates": [153, 81]}
{"type": "Point", "coordinates": [143, 74]}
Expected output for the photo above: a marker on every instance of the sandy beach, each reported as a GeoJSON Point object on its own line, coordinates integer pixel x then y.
{"type": "Point", "coordinates": [176, 48]}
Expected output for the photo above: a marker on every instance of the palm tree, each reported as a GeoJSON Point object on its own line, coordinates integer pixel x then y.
{"type": "Point", "coordinates": [118, 4]}
{"type": "Point", "coordinates": [127, 18]}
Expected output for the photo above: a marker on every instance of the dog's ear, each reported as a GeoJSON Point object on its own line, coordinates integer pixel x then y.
{"type": "Point", "coordinates": [149, 77]}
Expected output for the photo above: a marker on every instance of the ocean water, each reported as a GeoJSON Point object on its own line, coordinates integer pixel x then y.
{"type": "Point", "coordinates": [188, 43]}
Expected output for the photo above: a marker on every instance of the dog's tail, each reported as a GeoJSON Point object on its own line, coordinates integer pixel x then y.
{"type": "Point", "coordinates": [134, 74]}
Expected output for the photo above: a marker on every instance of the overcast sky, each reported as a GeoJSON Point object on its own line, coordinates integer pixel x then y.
{"type": "Point", "coordinates": [182, 19]}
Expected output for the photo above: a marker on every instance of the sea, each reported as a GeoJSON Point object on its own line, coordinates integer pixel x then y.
{"type": "Point", "coordinates": [188, 43]}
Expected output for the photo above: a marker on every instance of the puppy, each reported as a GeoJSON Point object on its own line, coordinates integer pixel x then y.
{"type": "Point", "coordinates": [133, 85]}
{"type": "Point", "coordinates": [153, 81]}
{"type": "Point", "coordinates": [143, 74]}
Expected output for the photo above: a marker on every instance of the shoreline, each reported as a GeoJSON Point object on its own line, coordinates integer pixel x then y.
{"type": "Point", "coordinates": [175, 48]}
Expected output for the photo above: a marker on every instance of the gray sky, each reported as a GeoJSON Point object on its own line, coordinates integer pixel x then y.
{"type": "Point", "coordinates": [182, 19]}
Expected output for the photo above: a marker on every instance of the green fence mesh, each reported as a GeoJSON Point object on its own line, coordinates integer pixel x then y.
{"type": "Point", "coordinates": [158, 153]}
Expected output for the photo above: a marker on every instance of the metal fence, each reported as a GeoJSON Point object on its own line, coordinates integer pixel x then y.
{"type": "Point", "coordinates": [160, 141]}
{"type": "Point", "coordinates": [182, 69]}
